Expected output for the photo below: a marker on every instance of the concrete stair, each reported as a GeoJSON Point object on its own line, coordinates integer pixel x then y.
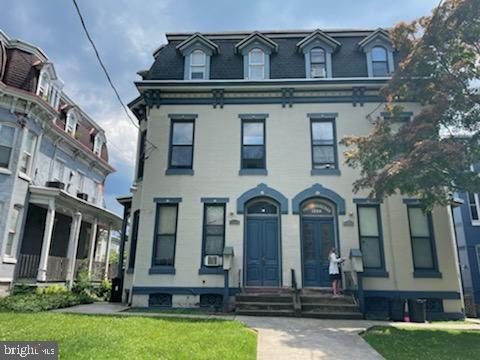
{"type": "Point", "coordinates": [311, 303]}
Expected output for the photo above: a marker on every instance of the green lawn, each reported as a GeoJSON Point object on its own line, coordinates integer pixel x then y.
{"type": "Point", "coordinates": [132, 337]}
{"type": "Point", "coordinates": [409, 343]}
{"type": "Point", "coordinates": [170, 311]}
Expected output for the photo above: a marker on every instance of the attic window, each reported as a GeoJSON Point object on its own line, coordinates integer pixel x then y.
{"type": "Point", "coordinates": [256, 64]}
{"type": "Point", "coordinates": [198, 61]}
{"type": "Point", "coordinates": [98, 144]}
{"type": "Point", "coordinates": [71, 123]}
{"type": "Point", "coordinates": [379, 61]}
{"type": "Point", "coordinates": [43, 86]}
{"type": "Point", "coordinates": [317, 63]}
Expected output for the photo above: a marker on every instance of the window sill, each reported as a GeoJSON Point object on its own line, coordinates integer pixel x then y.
{"type": "Point", "coordinates": [5, 171]}
{"type": "Point", "coordinates": [179, 172]}
{"type": "Point", "coordinates": [427, 274]}
{"type": "Point", "coordinates": [475, 223]}
{"type": "Point", "coordinates": [162, 270]}
{"type": "Point", "coordinates": [325, 172]}
{"type": "Point", "coordinates": [253, 172]}
{"type": "Point", "coordinates": [25, 177]}
{"type": "Point", "coordinates": [380, 273]}
{"type": "Point", "coordinates": [9, 260]}
{"type": "Point", "coordinates": [204, 270]}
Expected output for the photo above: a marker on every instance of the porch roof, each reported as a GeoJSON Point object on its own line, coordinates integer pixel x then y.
{"type": "Point", "coordinates": [69, 204]}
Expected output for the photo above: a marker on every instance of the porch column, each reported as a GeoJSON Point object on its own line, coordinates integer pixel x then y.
{"type": "Point", "coordinates": [93, 241]}
{"type": "Point", "coordinates": [107, 257]}
{"type": "Point", "coordinates": [47, 240]}
{"type": "Point", "coordinates": [73, 246]}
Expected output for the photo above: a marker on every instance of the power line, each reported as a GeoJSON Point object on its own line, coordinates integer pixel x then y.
{"type": "Point", "coordinates": [102, 65]}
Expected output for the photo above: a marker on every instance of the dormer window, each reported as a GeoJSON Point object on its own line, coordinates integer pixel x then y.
{"type": "Point", "coordinates": [317, 63]}
{"type": "Point", "coordinates": [256, 64]}
{"type": "Point", "coordinates": [379, 61]}
{"type": "Point", "coordinates": [378, 49]}
{"type": "Point", "coordinates": [44, 86]}
{"type": "Point", "coordinates": [71, 123]}
{"type": "Point", "coordinates": [197, 51]}
{"type": "Point", "coordinates": [98, 144]}
{"type": "Point", "coordinates": [198, 62]}
{"type": "Point", "coordinates": [317, 49]}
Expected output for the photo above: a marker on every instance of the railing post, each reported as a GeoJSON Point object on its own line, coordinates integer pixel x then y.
{"type": "Point", "coordinates": [73, 247]}
{"type": "Point", "coordinates": [47, 240]}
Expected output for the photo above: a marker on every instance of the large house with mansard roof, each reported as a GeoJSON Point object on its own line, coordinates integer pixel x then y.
{"type": "Point", "coordinates": [53, 166]}
{"type": "Point", "coordinates": [241, 187]}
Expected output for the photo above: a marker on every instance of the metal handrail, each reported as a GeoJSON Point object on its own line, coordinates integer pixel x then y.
{"type": "Point", "coordinates": [294, 280]}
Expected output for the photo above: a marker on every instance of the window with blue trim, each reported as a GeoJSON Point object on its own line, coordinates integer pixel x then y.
{"type": "Point", "coordinates": [379, 61]}
{"type": "Point", "coordinates": [323, 144]}
{"type": "Point", "coordinates": [422, 239]}
{"type": "Point", "coordinates": [369, 229]}
{"type": "Point", "coordinates": [181, 144]}
{"type": "Point", "coordinates": [474, 205]}
{"type": "Point", "coordinates": [256, 64]}
{"type": "Point", "coordinates": [213, 229]}
{"type": "Point", "coordinates": [317, 63]}
{"type": "Point", "coordinates": [198, 65]}
{"type": "Point", "coordinates": [166, 235]}
{"type": "Point", "coordinates": [253, 144]}
{"type": "Point", "coordinates": [133, 244]}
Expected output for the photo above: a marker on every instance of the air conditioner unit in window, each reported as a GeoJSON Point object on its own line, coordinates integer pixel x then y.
{"type": "Point", "coordinates": [213, 260]}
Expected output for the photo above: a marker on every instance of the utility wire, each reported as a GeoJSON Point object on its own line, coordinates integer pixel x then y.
{"type": "Point", "coordinates": [102, 65]}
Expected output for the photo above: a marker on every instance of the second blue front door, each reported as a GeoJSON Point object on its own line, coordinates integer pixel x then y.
{"type": "Point", "coordinates": [262, 249]}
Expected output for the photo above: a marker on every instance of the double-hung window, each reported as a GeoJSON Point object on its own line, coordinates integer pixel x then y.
{"type": "Point", "coordinates": [71, 124]}
{"type": "Point", "coordinates": [12, 231]}
{"type": "Point", "coordinates": [421, 234]}
{"type": "Point", "coordinates": [6, 144]}
{"type": "Point", "coordinates": [166, 234]}
{"type": "Point", "coordinates": [141, 154]}
{"type": "Point", "coordinates": [213, 229]}
{"type": "Point", "coordinates": [253, 144]}
{"type": "Point", "coordinates": [181, 144]}
{"type": "Point", "coordinates": [58, 170]}
{"type": "Point", "coordinates": [474, 205]}
{"type": "Point", "coordinates": [133, 244]}
{"type": "Point", "coordinates": [198, 64]}
{"type": "Point", "coordinates": [371, 244]}
{"type": "Point", "coordinates": [256, 64]}
{"type": "Point", "coordinates": [324, 151]}
{"type": "Point", "coordinates": [379, 61]}
{"type": "Point", "coordinates": [28, 152]}
{"type": "Point", "coordinates": [317, 63]}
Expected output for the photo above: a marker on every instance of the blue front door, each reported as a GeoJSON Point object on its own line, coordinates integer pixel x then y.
{"type": "Point", "coordinates": [317, 239]}
{"type": "Point", "coordinates": [262, 264]}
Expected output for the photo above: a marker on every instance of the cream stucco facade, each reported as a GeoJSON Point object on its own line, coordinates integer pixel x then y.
{"type": "Point", "coordinates": [216, 165]}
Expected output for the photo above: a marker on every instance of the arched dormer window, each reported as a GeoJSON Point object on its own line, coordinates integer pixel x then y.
{"type": "Point", "coordinates": [71, 123]}
{"type": "Point", "coordinates": [44, 85]}
{"type": "Point", "coordinates": [98, 142]}
{"type": "Point", "coordinates": [317, 63]}
{"type": "Point", "coordinates": [256, 64]}
{"type": "Point", "coordinates": [379, 61]}
{"type": "Point", "coordinates": [198, 63]}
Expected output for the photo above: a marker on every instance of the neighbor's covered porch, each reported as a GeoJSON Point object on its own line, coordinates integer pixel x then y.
{"type": "Point", "coordinates": [64, 234]}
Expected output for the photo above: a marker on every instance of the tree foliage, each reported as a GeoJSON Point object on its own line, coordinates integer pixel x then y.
{"type": "Point", "coordinates": [429, 156]}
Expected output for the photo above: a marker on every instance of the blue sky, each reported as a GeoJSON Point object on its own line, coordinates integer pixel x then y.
{"type": "Point", "coordinates": [127, 32]}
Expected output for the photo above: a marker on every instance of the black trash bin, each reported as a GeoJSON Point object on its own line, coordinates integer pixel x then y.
{"type": "Point", "coordinates": [116, 292]}
{"type": "Point", "coordinates": [417, 310]}
{"type": "Point", "coordinates": [397, 309]}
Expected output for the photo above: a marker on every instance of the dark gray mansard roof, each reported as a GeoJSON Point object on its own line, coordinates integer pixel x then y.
{"type": "Point", "coordinates": [287, 63]}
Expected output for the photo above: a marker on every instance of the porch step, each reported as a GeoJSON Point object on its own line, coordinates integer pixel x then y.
{"type": "Point", "coordinates": [264, 298]}
{"type": "Point", "coordinates": [252, 312]}
{"type": "Point", "coordinates": [333, 315]}
{"type": "Point", "coordinates": [265, 290]}
{"type": "Point", "coordinates": [326, 299]}
{"type": "Point", "coordinates": [265, 306]}
{"type": "Point", "coordinates": [330, 308]}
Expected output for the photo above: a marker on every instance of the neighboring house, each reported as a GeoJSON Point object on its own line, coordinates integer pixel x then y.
{"type": "Point", "coordinates": [239, 157]}
{"type": "Point", "coordinates": [467, 225]}
{"type": "Point", "coordinates": [53, 165]}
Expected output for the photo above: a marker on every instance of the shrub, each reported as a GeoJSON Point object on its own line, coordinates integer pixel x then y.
{"type": "Point", "coordinates": [52, 289]}
{"type": "Point", "coordinates": [42, 302]}
{"type": "Point", "coordinates": [103, 291]}
{"type": "Point", "coordinates": [82, 284]}
{"type": "Point", "coordinates": [21, 289]}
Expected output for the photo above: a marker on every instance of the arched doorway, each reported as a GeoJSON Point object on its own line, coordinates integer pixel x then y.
{"type": "Point", "coordinates": [262, 243]}
{"type": "Point", "coordinates": [317, 222]}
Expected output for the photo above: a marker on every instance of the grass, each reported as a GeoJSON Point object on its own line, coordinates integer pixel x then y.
{"type": "Point", "coordinates": [409, 343]}
{"type": "Point", "coordinates": [125, 337]}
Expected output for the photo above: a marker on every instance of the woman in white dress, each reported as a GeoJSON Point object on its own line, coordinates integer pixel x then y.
{"type": "Point", "coordinates": [334, 271]}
